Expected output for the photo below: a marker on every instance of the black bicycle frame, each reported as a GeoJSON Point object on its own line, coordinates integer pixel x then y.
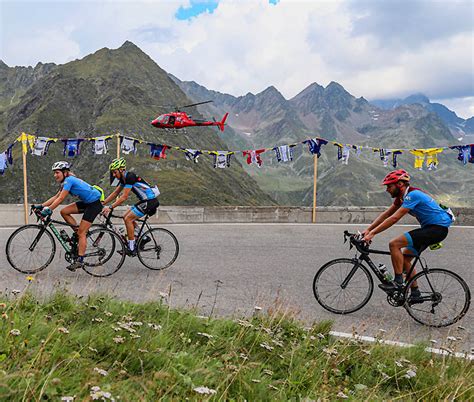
{"type": "Point", "coordinates": [364, 256]}
{"type": "Point", "coordinates": [44, 228]}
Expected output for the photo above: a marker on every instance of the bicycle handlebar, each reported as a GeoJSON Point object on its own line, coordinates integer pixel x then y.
{"type": "Point", "coordinates": [356, 240]}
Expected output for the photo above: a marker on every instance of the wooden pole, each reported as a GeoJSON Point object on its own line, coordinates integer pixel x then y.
{"type": "Point", "coordinates": [24, 140]}
{"type": "Point", "coordinates": [118, 145]}
{"type": "Point", "coordinates": [315, 185]}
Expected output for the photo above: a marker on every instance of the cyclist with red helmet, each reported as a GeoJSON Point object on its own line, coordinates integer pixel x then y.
{"type": "Point", "coordinates": [433, 219]}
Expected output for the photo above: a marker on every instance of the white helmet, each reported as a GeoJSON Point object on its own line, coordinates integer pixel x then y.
{"type": "Point", "coordinates": [61, 165]}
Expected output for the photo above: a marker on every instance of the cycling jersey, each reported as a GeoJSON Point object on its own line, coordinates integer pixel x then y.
{"type": "Point", "coordinates": [424, 208]}
{"type": "Point", "coordinates": [81, 189]}
{"type": "Point", "coordinates": [139, 186]}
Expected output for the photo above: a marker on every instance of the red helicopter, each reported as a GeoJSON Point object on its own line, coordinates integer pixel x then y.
{"type": "Point", "coordinates": [178, 119]}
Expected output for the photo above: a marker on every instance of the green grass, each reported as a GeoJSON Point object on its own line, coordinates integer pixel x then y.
{"type": "Point", "coordinates": [66, 346]}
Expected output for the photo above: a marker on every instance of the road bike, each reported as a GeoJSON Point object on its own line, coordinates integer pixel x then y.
{"type": "Point", "coordinates": [31, 248]}
{"type": "Point", "coordinates": [345, 285]}
{"type": "Point", "coordinates": [157, 248]}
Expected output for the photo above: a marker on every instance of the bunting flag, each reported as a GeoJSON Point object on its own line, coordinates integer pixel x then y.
{"type": "Point", "coordinates": [343, 152]}
{"type": "Point", "coordinates": [314, 145]}
{"type": "Point", "coordinates": [158, 151]}
{"type": "Point", "coordinates": [72, 147]}
{"type": "Point", "coordinates": [100, 144]}
{"type": "Point", "coordinates": [191, 154]}
{"type": "Point", "coordinates": [221, 158]}
{"type": "Point", "coordinates": [42, 145]}
{"type": "Point", "coordinates": [466, 153]}
{"type": "Point", "coordinates": [128, 145]}
{"type": "Point", "coordinates": [253, 156]}
{"type": "Point", "coordinates": [284, 153]}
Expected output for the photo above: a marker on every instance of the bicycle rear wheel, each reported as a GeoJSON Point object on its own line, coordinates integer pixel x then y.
{"type": "Point", "coordinates": [445, 298]}
{"type": "Point", "coordinates": [160, 251]}
{"type": "Point", "coordinates": [105, 252]}
{"type": "Point", "coordinates": [30, 249]}
{"type": "Point", "coordinates": [330, 293]}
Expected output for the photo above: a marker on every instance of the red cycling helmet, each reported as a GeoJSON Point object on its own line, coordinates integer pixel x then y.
{"type": "Point", "coordinates": [396, 176]}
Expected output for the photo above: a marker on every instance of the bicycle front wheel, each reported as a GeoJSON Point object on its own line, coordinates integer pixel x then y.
{"type": "Point", "coordinates": [445, 298]}
{"type": "Point", "coordinates": [158, 248]}
{"type": "Point", "coordinates": [343, 286]}
{"type": "Point", "coordinates": [30, 249]}
{"type": "Point", "coordinates": [105, 252]}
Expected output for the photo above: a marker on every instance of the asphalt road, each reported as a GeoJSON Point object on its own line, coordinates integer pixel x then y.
{"type": "Point", "coordinates": [228, 269]}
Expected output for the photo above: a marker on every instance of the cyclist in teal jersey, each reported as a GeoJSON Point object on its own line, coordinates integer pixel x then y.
{"type": "Point", "coordinates": [433, 219]}
{"type": "Point", "coordinates": [89, 204]}
{"type": "Point", "coordinates": [146, 193]}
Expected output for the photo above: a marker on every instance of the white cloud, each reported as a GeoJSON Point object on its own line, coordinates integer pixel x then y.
{"type": "Point", "coordinates": [464, 107]}
{"type": "Point", "coordinates": [249, 45]}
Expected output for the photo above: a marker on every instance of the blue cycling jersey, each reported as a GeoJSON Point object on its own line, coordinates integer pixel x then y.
{"type": "Point", "coordinates": [425, 209]}
{"type": "Point", "coordinates": [81, 189]}
{"type": "Point", "coordinates": [142, 189]}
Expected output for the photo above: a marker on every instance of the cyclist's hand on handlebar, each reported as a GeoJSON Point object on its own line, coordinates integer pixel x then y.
{"type": "Point", "coordinates": [368, 236]}
{"type": "Point", "coordinates": [37, 207]}
{"type": "Point", "coordinates": [46, 211]}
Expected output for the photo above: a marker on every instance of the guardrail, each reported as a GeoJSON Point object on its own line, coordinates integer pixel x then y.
{"type": "Point", "coordinates": [13, 215]}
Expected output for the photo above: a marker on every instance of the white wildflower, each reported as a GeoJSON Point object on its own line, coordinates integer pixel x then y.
{"type": "Point", "coordinates": [163, 295]}
{"type": "Point", "coordinates": [433, 341]}
{"type": "Point", "coordinates": [257, 308]}
{"type": "Point", "coordinates": [277, 342]}
{"type": "Point", "coordinates": [108, 313]}
{"type": "Point", "coordinates": [410, 374]}
{"type": "Point", "coordinates": [16, 291]}
{"type": "Point", "coordinates": [451, 338]}
{"type": "Point", "coordinates": [266, 346]}
{"type": "Point", "coordinates": [312, 338]}
{"type": "Point", "coordinates": [272, 387]}
{"type": "Point", "coordinates": [93, 349]}
{"type": "Point", "coordinates": [330, 351]}
{"type": "Point", "coordinates": [208, 336]}
{"type": "Point", "coordinates": [135, 336]}
{"type": "Point", "coordinates": [244, 323]}
{"type": "Point", "coordinates": [268, 372]}
{"type": "Point", "coordinates": [342, 395]}
{"type": "Point", "coordinates": [101, 371]}
{"type": "Point", "coordinates": [63, 330]}
{"type": "Point", "coordinates": [119, 339]}
{"type": "Point", "coordinates": [97, 319]}
{"type": "Point", "coordinates": [243, 356]}
{"type": "Point", "coordinates": [15, 332]}
{"type": "Point", "coordinates": [399, 364]}
{"type": "Point", "coordinates": [156, 327]}
{"type": "Point", "coordinates": [95, 388]}
{"type": "Point", "coordinates": [68, 398]}
{"type": "Point", "coordinates": [136, 323]}
{"type": "Point", "coordinates": [205, 391]}
{"type": "Point", "coordinates": [403, 360]}
{"type": "Point", "coordinates": [255, 380]}
{"type": "Point", "coordinates": [143, 350]}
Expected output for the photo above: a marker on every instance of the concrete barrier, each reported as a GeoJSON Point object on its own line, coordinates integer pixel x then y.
{"type": "Point", "coordinates": [12, 215]}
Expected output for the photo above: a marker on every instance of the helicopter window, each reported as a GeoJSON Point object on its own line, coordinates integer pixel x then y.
{"type": "Point", "coordinates": [171, 120]}
{"type": "Point", "coordinates": [161, 118]}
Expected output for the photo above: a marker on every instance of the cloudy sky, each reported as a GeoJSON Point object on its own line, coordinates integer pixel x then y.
{"type": "Point", "coordinates": [376, 49]}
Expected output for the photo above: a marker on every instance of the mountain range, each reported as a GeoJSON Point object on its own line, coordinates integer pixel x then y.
{"type": "Point", "coordinates": [122, 90]}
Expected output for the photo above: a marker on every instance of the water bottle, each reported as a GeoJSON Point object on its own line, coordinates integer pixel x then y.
{"type": "Point", "coordinates": [64, 235]}
{"type": "Point", "coordinates": [384, 271]}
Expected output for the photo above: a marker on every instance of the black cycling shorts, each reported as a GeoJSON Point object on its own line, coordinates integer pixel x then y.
{"type": "Point", "coordinates": [90, 211]}
{"type": "Point", "coordinates": [146, 207]}
{"type": "Point", "coordinates": [420, 239]}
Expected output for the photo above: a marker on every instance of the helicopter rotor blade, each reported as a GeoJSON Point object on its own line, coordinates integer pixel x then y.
{"type": "Point", "coordinates": [199, 103]}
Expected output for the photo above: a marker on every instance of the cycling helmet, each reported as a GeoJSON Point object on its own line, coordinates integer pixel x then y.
{"type": "Point", "coordinates": [118, 163]}
{"type": "Point", "coordinates": [396, 176]}
{"type": "Point", "coordinates": [61, 165]}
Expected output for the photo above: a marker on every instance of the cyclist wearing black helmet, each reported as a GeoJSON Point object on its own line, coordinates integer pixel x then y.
{"type": "Point", "coordinates": [146, 193]}
{"type": "Point", "coordinates": [89, 204]}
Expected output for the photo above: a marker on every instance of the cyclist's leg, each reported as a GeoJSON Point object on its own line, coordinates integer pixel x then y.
{"type": "Point", "coordinates": [129, 218]}
{"type": "Point", "coordinates": [397, 256]}
{"type": "Point", "coordinates": [70, 209]}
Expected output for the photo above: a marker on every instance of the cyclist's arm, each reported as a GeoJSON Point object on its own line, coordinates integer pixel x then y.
{"type": "Point", "coordinates": [113, 195]}
{"type": "Point", "coordinates": [391, 220]}
{"type": "Point", "coordinates": [51, 200]}
{"type": "Point", "coordinates": [382, 217]}
{"type": "Point", "coordinates": [59, 199]}
{"type": "Point", "coordinates": [122, 198]}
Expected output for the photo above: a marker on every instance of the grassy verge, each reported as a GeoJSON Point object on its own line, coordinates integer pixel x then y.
{"type": "Point", "coordinates": [105, 349]}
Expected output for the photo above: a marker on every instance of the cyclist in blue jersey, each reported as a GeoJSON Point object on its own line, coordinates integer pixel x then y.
{"type": "Point", "coordinates": [146, 193]}
{"type": "Point", "coordinates": [433, 219]}
{"type": "Point", "coordinates": [89, 204]}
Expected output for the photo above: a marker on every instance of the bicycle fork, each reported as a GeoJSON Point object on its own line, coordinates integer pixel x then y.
{"type": "Point", "coordinates": [356, 266]}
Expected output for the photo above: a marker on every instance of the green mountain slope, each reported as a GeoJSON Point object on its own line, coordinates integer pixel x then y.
{"type": "Point", "coordinates": [114, 91]}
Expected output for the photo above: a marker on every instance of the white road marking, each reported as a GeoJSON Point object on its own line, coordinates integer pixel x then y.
{"type": "Point", "coordinates": [401, 344]}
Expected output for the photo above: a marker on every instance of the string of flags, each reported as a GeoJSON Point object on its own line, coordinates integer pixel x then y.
{"type": "Point", "coordinates": [39, 146]}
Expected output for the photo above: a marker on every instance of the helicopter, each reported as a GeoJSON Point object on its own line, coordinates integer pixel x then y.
{"type": "Point", "coordinates": [179, 119]}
